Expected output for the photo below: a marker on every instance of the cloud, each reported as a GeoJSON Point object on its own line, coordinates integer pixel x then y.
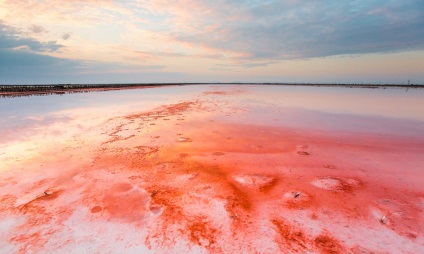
{"type": "Point", "coordinates": [66, 36]}
{"type": "Point", "coordinates": [37, 29]}
{"type": "Point", "coordinates": [197, 36]}
{"type": "Point", "coordinates": [23, 60]}
{"type": "Point", "coordinates": [23, 67]}
{"type": "Point", "coordinates": [77, 12]}
{"type": "Point", "coordinates": [133, 54]}
{"type": "Point", "coordinates": [281, 30]}
{"type": "Point", "coordinates": [28, 67]}
{"type": "Point", "coordinates": [11, 38]}
{"type": "Point", "coordinates": [250, 30]}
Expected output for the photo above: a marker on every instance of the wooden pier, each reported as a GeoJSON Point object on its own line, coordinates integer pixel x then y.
{"type": "Point", "coordinates": [29, 90]}
{"type": "Point", "coordinates": [40, 88]}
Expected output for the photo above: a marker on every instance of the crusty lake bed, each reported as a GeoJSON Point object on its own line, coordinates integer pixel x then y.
{"type": "Point", "coordinates": [213, 169]}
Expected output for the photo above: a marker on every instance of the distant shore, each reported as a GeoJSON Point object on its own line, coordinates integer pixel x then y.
{"type": "Point", "coordinates": [28, 90]}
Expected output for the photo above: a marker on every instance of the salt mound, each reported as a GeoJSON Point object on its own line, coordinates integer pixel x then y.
{"type": "Point", "coordinates": [254, 181]}
{"type": "Point", "coordinates": [336, 184]}
{"type": "Point", "coordinates": [183, 139]}
{"type": "Point", "coordinates": [327, 183]}
{"type": "Point", "coordinates": [126, 202]}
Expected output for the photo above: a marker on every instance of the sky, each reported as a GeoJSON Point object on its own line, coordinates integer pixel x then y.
{"type": "Point", "coordinates": [159, 41]}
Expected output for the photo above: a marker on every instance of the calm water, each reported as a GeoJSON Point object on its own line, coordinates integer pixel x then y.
{"type": "Point", "coordinates": [389, 111]}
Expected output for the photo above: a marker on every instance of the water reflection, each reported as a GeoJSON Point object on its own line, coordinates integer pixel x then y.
{"type": "Point", "coordinates": [390, 102]}
{"type": "Point", "coordinates": [43, 93]}
{"type": "Point", "coordinates": [376, 110]}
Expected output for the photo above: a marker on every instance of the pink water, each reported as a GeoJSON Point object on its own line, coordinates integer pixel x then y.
{"type": "Point", "coordinates": [211, 169]}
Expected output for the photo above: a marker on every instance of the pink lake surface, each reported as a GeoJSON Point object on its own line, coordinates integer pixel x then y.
{"type": "Point", "coordinates": [213, 169]}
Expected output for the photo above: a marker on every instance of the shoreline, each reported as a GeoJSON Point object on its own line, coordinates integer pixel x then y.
{"type": "Point", "coordinates": [29, 90]}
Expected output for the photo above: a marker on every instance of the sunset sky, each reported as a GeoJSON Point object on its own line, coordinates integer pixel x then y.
{"type": "Point", "coordinates": [105, 41]}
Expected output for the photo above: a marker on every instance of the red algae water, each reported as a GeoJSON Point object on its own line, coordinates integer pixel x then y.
{"type": "Point", "coordinates": [213, 169]}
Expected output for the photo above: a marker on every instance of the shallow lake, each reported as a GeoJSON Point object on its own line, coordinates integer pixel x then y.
{"type": "Point", "coordinates": [213, 168]}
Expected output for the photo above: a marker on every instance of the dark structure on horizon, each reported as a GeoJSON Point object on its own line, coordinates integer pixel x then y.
{"type": "Point", "coordinates": [27, 90]}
